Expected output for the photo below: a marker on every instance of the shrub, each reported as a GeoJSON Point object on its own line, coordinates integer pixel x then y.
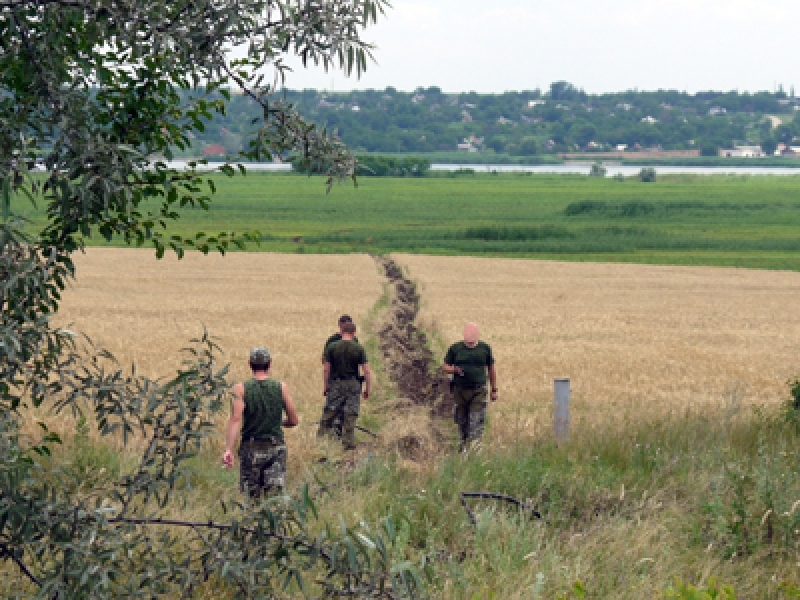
{"type": "Point", "coordinates": [585, 207]}
{"type": "Point", "coordinates": [492, 233]}
{"type": "Point", "coordinates": [598, 170]}
{"type": "Point", "coordinates": [391, 166]}
{"type": "Point", "coordinates": [647, 175]}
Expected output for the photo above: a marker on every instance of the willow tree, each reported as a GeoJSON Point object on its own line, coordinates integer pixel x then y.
{"type": "Point", "coordinates": [95, 97]}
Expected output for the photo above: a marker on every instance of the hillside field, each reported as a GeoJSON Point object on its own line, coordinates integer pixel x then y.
{"type": "Point", "coordinates": [690, 220]}
{"type": "Point", "coordinates": [667, 364]}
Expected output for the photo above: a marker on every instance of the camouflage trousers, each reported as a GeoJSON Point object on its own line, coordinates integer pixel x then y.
{"type": "Point", "coordinates": [469, 412]}
{"type": "Point", "coordinates": [262, 468]}
{"type": "Point", "coordinates": [344, 396]}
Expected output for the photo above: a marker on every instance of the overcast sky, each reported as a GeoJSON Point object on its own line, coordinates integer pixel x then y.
{"type": "Point", "coordinates": [600, 45]}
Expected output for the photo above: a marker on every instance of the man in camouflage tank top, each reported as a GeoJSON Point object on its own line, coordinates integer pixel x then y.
{"type": "Point", "coordinates": [342, 385]}
{"type": "Point", "coordinates": [258, 407]}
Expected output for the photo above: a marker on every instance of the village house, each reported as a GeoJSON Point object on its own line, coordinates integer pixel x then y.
{"type": "Point", "coordinates": [466, 146]}
{"type": "Point", "coordinates": [742, 152]}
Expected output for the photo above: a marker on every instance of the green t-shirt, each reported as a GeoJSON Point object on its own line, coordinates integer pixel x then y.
{"type": "Point", "coordinates": [336, 337]}
{"type": "Point", "coordinates": [345, 357]}
{"type": "Point", "coordinates": [473, 361]}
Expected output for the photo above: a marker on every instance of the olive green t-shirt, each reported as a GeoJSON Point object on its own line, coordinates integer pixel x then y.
{"type": "Point", "coordinates": [473, 361]}
{"type": "Point", "coordinates": [345, 356]}
{"type": "Point", "coordinates": [336, 337]}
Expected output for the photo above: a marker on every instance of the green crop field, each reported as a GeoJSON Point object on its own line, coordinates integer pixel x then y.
{"type": "Point", "coordinates": [747, 221]}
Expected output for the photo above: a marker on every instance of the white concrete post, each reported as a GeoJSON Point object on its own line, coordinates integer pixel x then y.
{"type": "Point", "coordinates": [561, 412]}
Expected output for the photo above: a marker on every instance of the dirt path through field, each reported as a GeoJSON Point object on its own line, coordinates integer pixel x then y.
{"type": "Point", "coordinates": [404, 346]}
{"type": "Point", "coordinates": [409, 361]}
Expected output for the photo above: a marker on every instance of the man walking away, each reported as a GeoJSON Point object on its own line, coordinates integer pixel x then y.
{"type": "Point", "coordinates": [342, 385]}
{"type": "Point", "coordinates": [336, 337]}
{"type": "Point", "coordinates": [258, 407]}
{"type": "Point", "coordinates": [469, 361]}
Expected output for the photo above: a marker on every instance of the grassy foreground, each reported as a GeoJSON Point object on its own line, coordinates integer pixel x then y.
{"type": "Point", "coordinates": [628, 509]}
{"type": "Point", "coordinates": [746, 221]}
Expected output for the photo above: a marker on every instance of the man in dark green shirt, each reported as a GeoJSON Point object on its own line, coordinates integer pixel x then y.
{"type": "Point", "coordinates": [336, 337]}
{"type": "Point", "coordinates": [469, 362]}
{"type": "Point", "coordinates": [342, 384]}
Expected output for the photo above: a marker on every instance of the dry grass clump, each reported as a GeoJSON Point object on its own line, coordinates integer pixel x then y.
{"type": "Point", "coordinates": [634, 339]}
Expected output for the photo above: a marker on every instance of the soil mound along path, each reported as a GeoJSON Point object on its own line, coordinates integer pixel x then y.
{"type": "Point", "coordinates": [411, 365]}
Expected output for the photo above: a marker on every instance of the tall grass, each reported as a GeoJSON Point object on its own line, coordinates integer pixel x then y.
{"type": "Point", "coordinates": [627, 508]}
{"type": "Point", "coordinates": [692, 219]}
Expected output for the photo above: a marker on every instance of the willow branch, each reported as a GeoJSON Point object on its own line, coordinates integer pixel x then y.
{"type": "Point", "coordinates": [5, 552]}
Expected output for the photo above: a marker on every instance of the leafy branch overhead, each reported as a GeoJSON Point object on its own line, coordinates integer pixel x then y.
{"type": "Point", "coordinates": [116, 87]}
{"type": "Point", "coordinates": [95, 96]}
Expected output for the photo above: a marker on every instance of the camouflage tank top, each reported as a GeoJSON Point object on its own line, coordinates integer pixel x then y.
{"type": "Point", "coordinates": [263, 410]}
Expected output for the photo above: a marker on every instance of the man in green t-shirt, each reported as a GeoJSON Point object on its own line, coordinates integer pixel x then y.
{"type": "Point", "coordinates": [339, 419]}
{"type": "Point", "coordinates": [342, 385]}
{"type": "Point", "coordinates": [469, 362]}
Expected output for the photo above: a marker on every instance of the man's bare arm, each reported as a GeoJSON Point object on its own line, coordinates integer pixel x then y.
{"type": "Point", "coordinates": [452, 369]}
{"type": "Point", "coordinates": [234, 423]}
{"type": "Point", "coordinates": [367, 380]}
{"type": "Point", "coordinates": [326, 374]}
{"type": "Point", "coordinates": [291, 420]}
{"type": "Point", "coordinates": [493, 381]}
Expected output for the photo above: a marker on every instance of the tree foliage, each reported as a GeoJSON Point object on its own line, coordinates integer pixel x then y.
{"type": "Point", "coordinates": [427, 120]}
{"type": "Point", "coordinates": [95, 98]}
{"type": "Point", "coordinates": [98, 93]}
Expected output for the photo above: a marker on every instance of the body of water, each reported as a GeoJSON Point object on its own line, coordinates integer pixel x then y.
{"type": "Point", "coordinates": [612, 170]}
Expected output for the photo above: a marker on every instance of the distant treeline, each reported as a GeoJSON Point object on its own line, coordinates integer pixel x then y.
{"type": "Point", "coordinates": [519, 125]}
{"type": "Point", "coordinates": [392, 166]}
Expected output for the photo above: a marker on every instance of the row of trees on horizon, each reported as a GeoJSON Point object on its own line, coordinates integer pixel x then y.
{"type": "Point", "coordinates": [561, 119]}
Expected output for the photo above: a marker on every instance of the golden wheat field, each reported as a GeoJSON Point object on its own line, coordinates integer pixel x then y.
{"type": "Point", "coordinates": [634, 339]}
{"type": "Point", "coordinates": [145, 310]}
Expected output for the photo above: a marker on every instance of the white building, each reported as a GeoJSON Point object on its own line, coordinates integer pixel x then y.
{"type": "Point", "coordinates": [742, 152]}
{"type": "Point", "coordinates": [467, 146]}
{"type": "Point", "coordinates": [622, 147]}
{"type": "Point", "coordinates": [535, 103]}
{"type": "Point", "coordinates": [650, 120]}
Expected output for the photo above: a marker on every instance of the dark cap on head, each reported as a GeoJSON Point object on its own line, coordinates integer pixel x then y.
{"type": "Point", "coordinates": [345, 319]}
{"type": "Point", "coordinates": [260, 356]}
